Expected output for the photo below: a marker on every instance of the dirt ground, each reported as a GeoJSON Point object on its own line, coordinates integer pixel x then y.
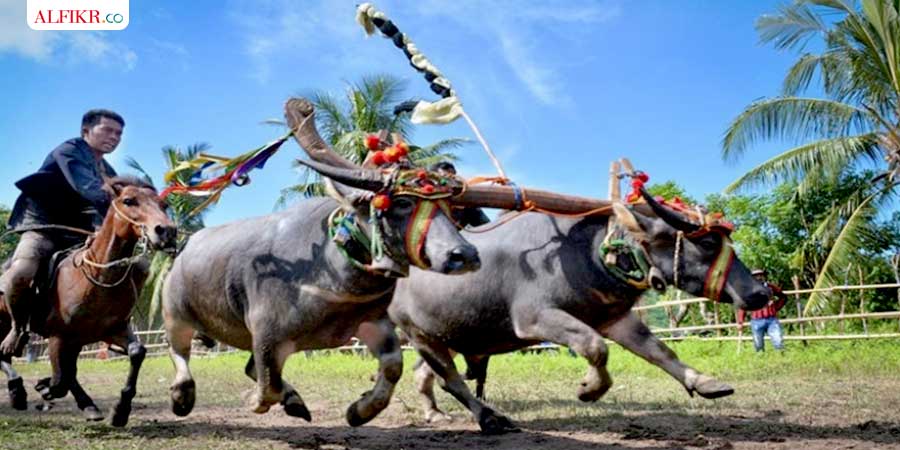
{"type": "Point", "coordinates": [812, 410]}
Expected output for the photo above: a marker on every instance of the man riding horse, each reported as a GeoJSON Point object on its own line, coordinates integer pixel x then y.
{"type": "Point", "coordinates": [66, 191]}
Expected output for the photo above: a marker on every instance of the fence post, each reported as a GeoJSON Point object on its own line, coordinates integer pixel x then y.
{"type": "Point", "coordinates": [895, 264]}
{"type": "Point", "coordinates": [799, 305]}
{"type": "Point", "coordinates": [862, 301]}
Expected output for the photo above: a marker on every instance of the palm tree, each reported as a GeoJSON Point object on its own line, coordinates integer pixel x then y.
{"type": "Point", "coordinates": [180, 208]}
{"type": "Point", "coordinates": [366, 108]}
{"type": "Point", "coordinates": [854, 122]}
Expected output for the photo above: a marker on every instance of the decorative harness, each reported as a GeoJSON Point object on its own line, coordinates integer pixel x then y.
{"type": "Point", "coordinates": [431, 191]}
{"type": "Point", "coordinates": [626, 255]}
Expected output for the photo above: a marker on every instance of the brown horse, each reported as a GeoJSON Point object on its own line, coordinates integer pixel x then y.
{"type": "Point", "coordinates": [93, 294]}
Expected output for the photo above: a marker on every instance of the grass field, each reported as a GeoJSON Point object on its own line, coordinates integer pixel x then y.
{"type": "Point", "coordinates": [827, 395]}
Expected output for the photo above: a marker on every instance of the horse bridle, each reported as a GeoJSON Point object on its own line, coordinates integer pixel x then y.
{"type": "Point", "coordinates": [143, 243]}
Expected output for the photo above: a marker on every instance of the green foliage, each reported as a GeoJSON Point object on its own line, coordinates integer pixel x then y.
{"type": "Point", "coordinates": [7, 243]}
{"type": "Point", "coordinates": [831, 220]}
{"type": "Point", "coordinates": [669, 190]}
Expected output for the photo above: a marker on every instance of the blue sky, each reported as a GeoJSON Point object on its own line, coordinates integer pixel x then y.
{"type": "Point", "coordinates": [559, 89]}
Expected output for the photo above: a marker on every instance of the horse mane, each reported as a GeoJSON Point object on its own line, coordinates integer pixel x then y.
{"type": "Point", "coordinates": [128, 180]}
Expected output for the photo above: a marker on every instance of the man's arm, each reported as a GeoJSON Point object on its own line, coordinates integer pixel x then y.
{"type": "Point", "coordinates": [82, 175]}
{"type": "Point", "coordinates": [780, 297]}
{"type": "Point", "coordinates": [740, 317]}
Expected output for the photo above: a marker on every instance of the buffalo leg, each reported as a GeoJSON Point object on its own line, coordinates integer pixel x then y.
{"type": "Point", "coordinates": [382, 341]}
{"type": "Point", "coordinates": [633, 335]}
{"type": "Point", "coordinates": [476, 369]}
{"type": "Point", "coordinates": [269, 356]}
{"type": "Point", "coordinates": [183, 391]}
{"type": "Point", "coordinates": [291, 400]}
{"type": "Point", "coordinates": [424, 378]}
{"type": "Point", "coordinates": [136, 353]}
{"type": "Point", "coordinates": [439, 358]}
{"type": "Point", "coordinates": [560, 327]}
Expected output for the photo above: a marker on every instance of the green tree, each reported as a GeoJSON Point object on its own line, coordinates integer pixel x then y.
{"type": "Point", "coordinates": [856, 68]}
{"type": "Point", "coordinates": [367, 107]}
{"type": "Point", "coordinates": [180, 208]}
{"type": "Point", "coordinates": [8, 242]}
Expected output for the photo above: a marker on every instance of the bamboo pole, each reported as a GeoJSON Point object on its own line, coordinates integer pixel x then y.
{"type": "Point", "coordinates": [862, 301]}
{"type": "Point", "coordinates": [876, 315]}
{"type": "Point", "coordinates": [799, 304]}
{"type": "Point", "coordinates": [833, 337]}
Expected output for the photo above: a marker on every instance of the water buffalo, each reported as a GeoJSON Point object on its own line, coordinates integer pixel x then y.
{"type": "Point", "coordinates": [543, 278]}
{"type": "Point", "coordinates": [289, 281]}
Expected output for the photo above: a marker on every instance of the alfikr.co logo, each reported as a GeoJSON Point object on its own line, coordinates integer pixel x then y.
{"type": "Point", "coordinates": [77, 14]}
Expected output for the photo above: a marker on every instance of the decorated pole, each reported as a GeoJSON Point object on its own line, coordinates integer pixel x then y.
{"type": "Point", "coordinates": [300, 116]}
{"type": "Point", "coordinates": [446, 110]}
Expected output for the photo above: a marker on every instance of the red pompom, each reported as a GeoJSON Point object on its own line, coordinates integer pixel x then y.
{"type": "Point", "coordinates": [422, 174]}
{"type": "Point", "coordinates": [392, 154]}
{"type": "Point", "coordinates": [381, 202]}
{"type": "Point", "coordinates": [378, 158]}
{"type": "Point", "coordinates": [428, 188]}
{"type": "Point", "coordinates": [637, 183]}
{"type": "Point", "coordinates": [402, 149]}
{"type": "Point", "coordinates": [373, 142]}
{"type": "Point", "coordinates": [643, 177]}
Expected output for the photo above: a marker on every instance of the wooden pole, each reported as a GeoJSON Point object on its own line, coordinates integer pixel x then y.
{"type": "Point", "coordinates": [862, 301]}
{"type": "Point", "coordinates": [615, 187]}
{"type": "Point", "coordinates": [799, 305]}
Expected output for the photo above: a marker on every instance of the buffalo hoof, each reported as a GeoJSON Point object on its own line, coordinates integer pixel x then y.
{"type": "Point", "coordinates": [436, 415]}
{"type": "Point", "coordinates": [92, 413]}
{"type": "Point", "coordinates": [493, 423]}
{"type": "Point", "coordinates": [18, 397]}
{"type": "Point", "coordinates": [183, 397]}
{"type": "Point", "coordinates": [592, 393]}
{"type": "Point", "coordinates": [44, 406]}
{"type": "Point", "coordinates": [294, 407]}
{"type": "Point", "coordinates": [353, 417]}
{"type": "Point", "coordinates": [119, 415]}
{"type": "Point", "coordinates": [711, 388]}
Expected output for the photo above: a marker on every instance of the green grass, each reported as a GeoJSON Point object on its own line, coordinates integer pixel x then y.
{"type": "Point", "coordinates": [853, 382]}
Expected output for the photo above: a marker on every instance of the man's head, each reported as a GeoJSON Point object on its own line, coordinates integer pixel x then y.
{"type": "Point", "coordinates": [102, 130]}
{"type": "Point", "coordinates": [759, 274]}
{"type": "Point", "coordinates": [443, 168]}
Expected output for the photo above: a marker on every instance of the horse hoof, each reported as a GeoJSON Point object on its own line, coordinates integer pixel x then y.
{"type": "Point", "coordinates": [493, 423]}
{"type": "Point", "coordinates": [18, 396]}
{"type": "Point", "coordinates": [92, 414]}
{"type": "Point", "coordinates": [710, 388]}
{"type": "Point", "coordinates": [183, 397]}
{"type": "Point", "coordinates": [294, 407]}
{"type": "Point", "coordinates": [119, 416]}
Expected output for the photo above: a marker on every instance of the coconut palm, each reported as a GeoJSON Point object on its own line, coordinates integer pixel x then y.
{"type": "Point", "coordinates": [852, 119]}
{"type": "Point", "coordinates": [180, 208]}
{"type": "Point", "coordinates": [366, 108]}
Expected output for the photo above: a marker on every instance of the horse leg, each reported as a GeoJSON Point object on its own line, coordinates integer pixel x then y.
{"type": "Point", "coordinates": [439, 358]}
{"type": "Point", "coordinates": [183, 391]}
{"type": "Point", "coordinates": [382, 341]}
{"type": "Point", "coordinates": [136, 352]}
{"type": "Point", "coordinates": [84, 402]}
{"type": "Point", "coordinates": [476, 369]}
{"type": "Point", "coordinates": [63, 359]}
{"type": "Point", "coordinates": [424, 378]}
{"type": "Point", "coordinates": [633, 335]}
{"type": "Point", "coordinates": [560, 327]}
{"type": "Point", "coordinates": [291, 401]}
{"type": "Point", "coordinates": [18, 397]}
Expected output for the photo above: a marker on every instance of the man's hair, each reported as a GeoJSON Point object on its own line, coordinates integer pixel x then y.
{"type": "Point", "coordinates": [93, 117]}
{"type": "Point", "coordinates": [443, 165]}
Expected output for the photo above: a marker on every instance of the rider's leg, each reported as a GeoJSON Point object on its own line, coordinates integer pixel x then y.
{"type": "Point", "coordinates": [16, 283]}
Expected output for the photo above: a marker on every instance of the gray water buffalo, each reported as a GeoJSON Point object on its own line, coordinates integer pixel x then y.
{"type": "Point", "coordinates": [546, 278]}
{"type": "Point", "coordinates": [305, 279]}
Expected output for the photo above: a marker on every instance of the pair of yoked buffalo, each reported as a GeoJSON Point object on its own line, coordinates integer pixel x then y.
{"type": "Point", "coordinates": [282, 283]}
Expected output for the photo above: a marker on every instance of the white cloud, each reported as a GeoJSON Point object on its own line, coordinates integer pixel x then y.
{"type": "Point", "coordinates": [47, 47]}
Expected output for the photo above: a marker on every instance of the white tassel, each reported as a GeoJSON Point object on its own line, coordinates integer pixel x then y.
{"type": "Point", "coordinates": [362, 18]}
{"type": "Point", "coordinates": [440, 112]}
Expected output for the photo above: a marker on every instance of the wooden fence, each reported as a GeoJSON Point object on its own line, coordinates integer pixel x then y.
{"type": "Point", "coordinates": [154, 340]}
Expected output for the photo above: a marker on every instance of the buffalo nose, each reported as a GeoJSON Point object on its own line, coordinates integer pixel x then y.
{"type": "Point", "coordinates": [463, 259]}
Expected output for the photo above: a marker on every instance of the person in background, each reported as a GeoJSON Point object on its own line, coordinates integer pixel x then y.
{"type": "Point", "coordinates": [765, 321]}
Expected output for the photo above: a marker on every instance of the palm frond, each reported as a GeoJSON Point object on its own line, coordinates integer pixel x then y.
{"type": "Point", "coordinates": [793, 119]}
{"type": "Point", "coordinates": [829, 156]}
